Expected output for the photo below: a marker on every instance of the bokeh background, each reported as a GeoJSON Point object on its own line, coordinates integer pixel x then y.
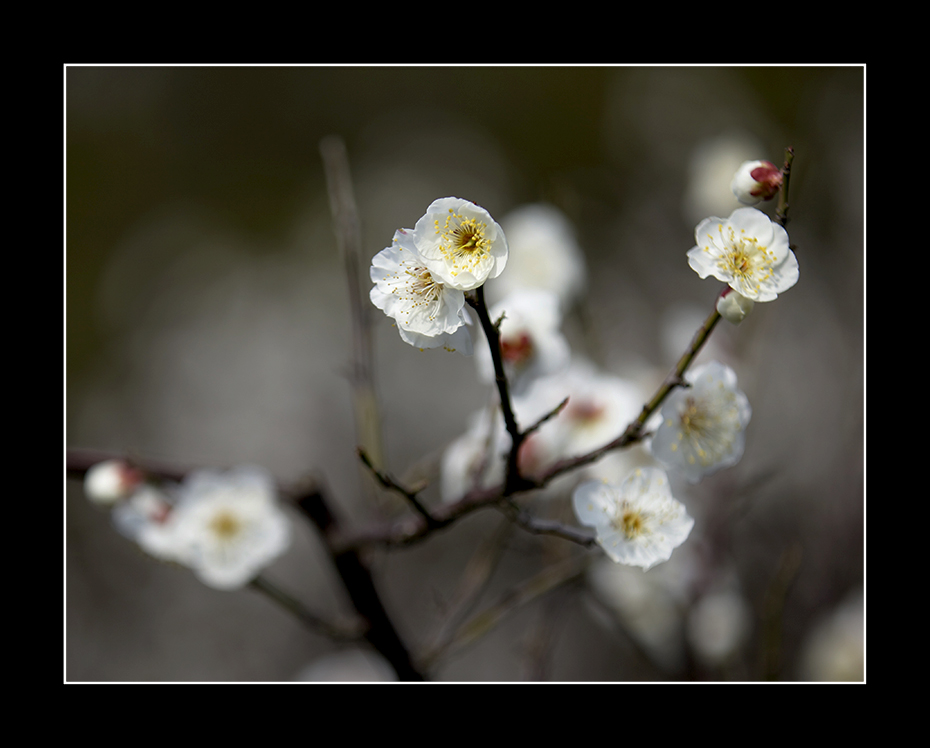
{"type": "Point", "coordinates": [207, 324]}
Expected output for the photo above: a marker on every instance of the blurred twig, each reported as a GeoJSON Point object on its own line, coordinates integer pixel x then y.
{"type": "Point", "coordinates": [343, 630]}
{"type": "Point", "coordinates": [348, 236]}
{"type": "Point", "coordinates": [548, 579]}
{"type": "Point", "coordinates": [781, 213]}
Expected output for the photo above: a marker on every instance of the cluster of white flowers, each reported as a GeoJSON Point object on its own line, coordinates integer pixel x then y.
{"type": "Point", "coordinates": [421, 278]}
{"type": "Point", "coordinates": [225, 527]}
{"type": "Point", "coordinates": [457, 246]}
{"type": "Point", "coordinates": [702, 426]}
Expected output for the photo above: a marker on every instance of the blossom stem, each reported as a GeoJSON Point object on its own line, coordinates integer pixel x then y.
{"type": "Point", "coordinates": [781, 214]}
{"type": "Point", "coordinates": [514, 482]}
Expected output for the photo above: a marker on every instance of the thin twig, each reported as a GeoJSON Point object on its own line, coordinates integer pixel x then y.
{"type": "Point", "coordinates": [345, 631]}
{"type": "Point", "coordinates": [781, 213]}
{"type": "Point", "coordinates": [389, 483]}
{"type": "Point", "coordinates": [348, 235]}
{"type": "Point", "coordinates": [548, 579]}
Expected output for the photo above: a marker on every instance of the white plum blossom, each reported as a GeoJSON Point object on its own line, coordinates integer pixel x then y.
{"type": "Point", "coordinates": [544, 254]}
{"type": "Point", "coordinates": [532, 345]}
{"type": "Point", "coordinates": [639, 522]}
{"type": "Point", "coordinates": [703, 426]}
{"type": "Point", "coordinates": [228, 526]}
{"type": "Point", "coordinates": [427, 313]}
{"type": "Point", "coordinates": [747, 251]}
{"type": "Point", "coordinates": [756, 181]}
{"type": "Point", "coordinates": [460, 243]}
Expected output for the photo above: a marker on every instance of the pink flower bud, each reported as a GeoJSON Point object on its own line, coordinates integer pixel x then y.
{"type": "Point", "coordinates": [756, 181]}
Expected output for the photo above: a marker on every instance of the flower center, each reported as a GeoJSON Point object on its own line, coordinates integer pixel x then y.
{"type": "Point", "coordinates": [421, 283]}
{"type": "Point", "coordinates": [226, 525]}
{"type": "Point", "coordinates": [585, 411]}
{"type": "Point", "coordinates": [462, 242]}
{"type": "Point", "coordinates": [516, 349]}
{"type": "Point", "coordinates": [630, 521]}
{"type": "Point", "coordinates": [709, 426]}
{"type": "Point", "coordinates": [743, 257]}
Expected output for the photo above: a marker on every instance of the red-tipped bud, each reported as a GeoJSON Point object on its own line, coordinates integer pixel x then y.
{"type": "Point", "coordinates": [756, 181]}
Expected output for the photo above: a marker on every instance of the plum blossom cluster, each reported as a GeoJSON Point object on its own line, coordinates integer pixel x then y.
{"type": "Point", "coordinates": [421, 278]}
{"type": "Point", "coordinates": [702, 426]}
{"type": "Point", "coordinates": [225, 527]}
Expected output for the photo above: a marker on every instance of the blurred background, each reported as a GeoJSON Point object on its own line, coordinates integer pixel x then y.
{"type": "Point", "coordinates": [207, 324]}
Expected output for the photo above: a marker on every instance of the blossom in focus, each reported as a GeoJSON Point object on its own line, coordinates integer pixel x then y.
{"type": "Point", "coordinates": [427, 313]}
{"type": "Point", "coordinates": [747, 251]}
{"type": "Point", "coordinates": [460, 243]}
{"type": "Point", "coordinates": [228, 526]}
{"type": "Point", "coordinates": [703, 426]}
{"type": "Point", "coordinates": [733, 306]}
{"type": "Point", "coordinates": [532, 345]}
{"type": "Point", "coordinates": [756, 181]}
{"type": "Point", "coordinates": [639, 522]}
{"type": "Point", "coordinates": [110, 481]}
{"type": "Point", "coordinates": [543, 254]}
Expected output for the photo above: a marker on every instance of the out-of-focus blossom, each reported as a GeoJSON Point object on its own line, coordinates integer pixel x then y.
{"type": "Point", "coordinates": [476, 459]}
{"type": "Point", "coordinates": [733, 306]}
{"type": "Point", "coordinates": [703, 426]}
{"type": "Point", "coordinates": [348, 666]}
{"type": "Point", "coordinates": [427, 313]}
{"type": "Point", "coordinates": [747, 251]}
{"type": "Point", "coordinates": [644, 606]}
{"type": "Point", "coordinates": [835, 648]}
{"type": "Point", "coordinates": [710, 170]}
{"type": "Point", "coordinates": [532, 345]}
{"type": "Point", "coordinates": [719, 624]}
{"type": "Point", "coordinates": [461, 244]}
{"type": "Point", "coordinates": [228, 526]}
{"type": "Point", "coordinates": [145, 518]}
{"type": "Point", "coordinates": [599, 408]}
{"type": "Point", "coordinates": [756, 181]}
{"type": "Point", "coordinates": [110, 481]}
{"type": "Point", "coordinates": [639, 522]}
{"type": "Point", "coordinates": [544, 254]}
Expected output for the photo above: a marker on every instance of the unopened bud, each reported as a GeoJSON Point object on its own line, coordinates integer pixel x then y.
{"type": "Point", "coordinates": [111, 481]}
{"type": "Point", "coordinates": [756, 181]}
{"type": "Point", "coordinates": [733, 307]}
